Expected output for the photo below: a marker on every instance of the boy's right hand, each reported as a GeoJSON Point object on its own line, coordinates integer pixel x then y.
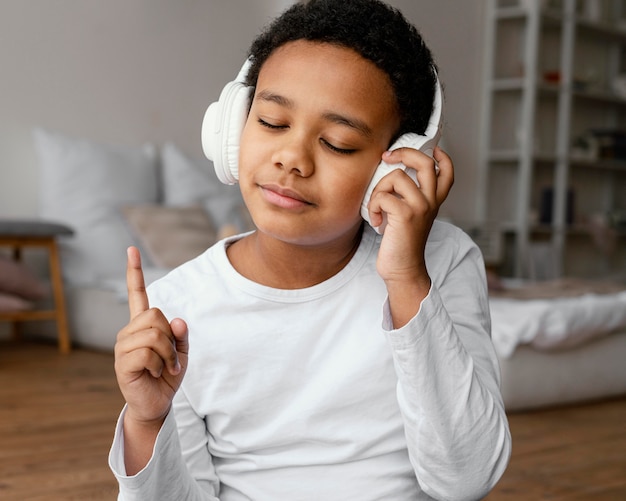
{"type": "Point", "coordinates": [150, 353]}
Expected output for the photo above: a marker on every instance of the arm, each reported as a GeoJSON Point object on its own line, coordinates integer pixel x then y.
{"type": "Point", "coordinates": [150, 362]}
{"type": "Point", "coordinates": [168, 472]}
{"type": "Point", "coordinates": [439, 328]}
{"type": "Point", "coordinates": [448, 386]}
{"type": "Point", "coordinates": [411, 210]}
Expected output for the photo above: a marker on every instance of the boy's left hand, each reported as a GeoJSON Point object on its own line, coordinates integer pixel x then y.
{"type": "Point", "coordinates": [410, 212]}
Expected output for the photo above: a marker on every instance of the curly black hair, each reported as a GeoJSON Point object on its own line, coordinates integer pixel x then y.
{"type": "Point", "coordinates": [374, 30]}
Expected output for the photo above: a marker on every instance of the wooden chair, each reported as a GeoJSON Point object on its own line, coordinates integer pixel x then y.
{"type": "Point", "coordinates": [19, 235]}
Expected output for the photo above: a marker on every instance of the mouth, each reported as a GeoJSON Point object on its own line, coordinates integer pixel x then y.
{"type": "Point", "coordinates": [284, 197]}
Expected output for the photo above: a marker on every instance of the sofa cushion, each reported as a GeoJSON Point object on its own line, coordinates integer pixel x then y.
{"type": "Point", "coordinates": [169, 236]}
{"type": "Point", "coordinates": [83, 184]}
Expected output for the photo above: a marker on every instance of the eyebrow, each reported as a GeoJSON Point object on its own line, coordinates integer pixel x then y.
{"type": "Point", "coordinates": [266, 95]}
{"type": "Point", "coordinates": [352, 122]}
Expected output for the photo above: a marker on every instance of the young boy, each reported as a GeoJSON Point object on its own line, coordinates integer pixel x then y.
{"type": "Point", "coordinates": [313, 358]}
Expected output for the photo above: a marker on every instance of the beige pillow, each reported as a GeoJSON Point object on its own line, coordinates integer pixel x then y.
{"type": "Point", "coordinates": [170, 236]}
{"type": "Point", "coordinates": [10, 303]}
{"type": "Point", "coordinates": [18, 280]}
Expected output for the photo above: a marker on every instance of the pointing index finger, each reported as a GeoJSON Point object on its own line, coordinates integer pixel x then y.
{"type": "Point", "coordinates": [137, 297]}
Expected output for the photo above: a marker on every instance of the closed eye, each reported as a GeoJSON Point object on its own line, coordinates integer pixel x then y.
{"type": "Point", "coordinates": [330, 146]}
{"type": "Point", "coordinates": [271, 126]}
{"type": "Point", "coordinates": [341, 151]}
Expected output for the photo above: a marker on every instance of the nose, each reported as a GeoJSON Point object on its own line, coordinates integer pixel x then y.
{"type": "Point", "coordinates": [294, 156]}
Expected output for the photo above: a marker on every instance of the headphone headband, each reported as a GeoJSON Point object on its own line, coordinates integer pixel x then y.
{"type": "Point", "coordinates": [224, 121]}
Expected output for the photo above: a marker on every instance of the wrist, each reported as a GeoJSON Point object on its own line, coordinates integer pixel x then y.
{"type": "Point", "coordinates": [405, 298]}
{"type": "Point", "coordinates": [139, 440]}
{"type": "Point", "coordinates": [140, 424]}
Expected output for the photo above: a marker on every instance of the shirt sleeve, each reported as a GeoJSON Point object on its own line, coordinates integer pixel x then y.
{"type": "Point", "coordinates": [175, 470]}
{"type": "Point", "coordinates": [449, 385]}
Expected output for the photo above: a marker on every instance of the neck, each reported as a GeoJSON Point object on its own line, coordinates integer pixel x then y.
{"type": "Point", "coordinates": [281, 265]}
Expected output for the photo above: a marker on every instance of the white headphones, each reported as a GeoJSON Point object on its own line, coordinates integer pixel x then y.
{"type": "Point", "coordinates": [223, 125]}
{"type": "Point", "coordinates": [224, 121]}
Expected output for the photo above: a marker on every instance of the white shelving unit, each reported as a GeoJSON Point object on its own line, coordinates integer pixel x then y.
{"type": "Point", "coordinates": [553, 153]}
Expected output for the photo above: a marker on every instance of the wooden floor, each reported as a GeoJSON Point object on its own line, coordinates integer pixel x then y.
{"type": "Point", "coordinates": [57, 415]}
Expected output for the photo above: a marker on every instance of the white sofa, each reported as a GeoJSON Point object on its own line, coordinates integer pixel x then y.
{"type": "Point", "coordinates": [169, 205]}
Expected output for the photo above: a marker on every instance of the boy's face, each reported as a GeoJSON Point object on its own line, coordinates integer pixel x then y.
{"type": "Point", "coordinates": [321, 117]}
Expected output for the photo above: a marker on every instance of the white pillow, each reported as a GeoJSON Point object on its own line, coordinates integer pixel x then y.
{"type": "Point", "coordinates": [83, 184]}
{"type": "Point", "coordinates": [190, 182]}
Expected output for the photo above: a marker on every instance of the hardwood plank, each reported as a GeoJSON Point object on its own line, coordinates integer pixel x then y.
{"type": "Point", "coordinates": [568, 453]}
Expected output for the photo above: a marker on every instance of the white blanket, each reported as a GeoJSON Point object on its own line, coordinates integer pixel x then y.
{"type": "Point", "coordinates": [554, 323]}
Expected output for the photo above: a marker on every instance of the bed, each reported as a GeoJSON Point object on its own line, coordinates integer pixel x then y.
{"type": "Point", "coordinates": [560, 341]}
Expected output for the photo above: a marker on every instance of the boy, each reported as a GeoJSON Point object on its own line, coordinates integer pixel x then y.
{"type": "Point", "coordinates": [320, 360]}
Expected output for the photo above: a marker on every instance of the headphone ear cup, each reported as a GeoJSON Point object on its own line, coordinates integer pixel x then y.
{"type": "Point", "coordinates": [410, 140]}
{"type": "Point", "coordinates": [222, 127]}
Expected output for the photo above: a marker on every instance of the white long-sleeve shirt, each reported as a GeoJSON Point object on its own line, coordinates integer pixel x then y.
{"type": "Point", "coordinates": [311, 394]}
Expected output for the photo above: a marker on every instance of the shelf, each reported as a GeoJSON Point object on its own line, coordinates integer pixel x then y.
{"type": "Point", "coordinates": [516, 84]}
{"type": "Point", "coordinates": [553, 18]}
{"type": "Point", "coordinates": [507, 84]}
{"type": "Point", "coordinates": [600, 96]}
{"type": "Point", "coordinates": [549, 86]}
{"type": "Point", "coordinates": [505, 156]}
{"type": "Point", "coordinates": [513, 156]}
{"type": "Point", "coordinates": [550, 16]}
{"type": "Point", "coordinates": [614, 165]}
{"type": "Point", "coordinates": [538, 230]}
{"type": "Point", "coordinates": [602, 30]}
{"type": "Point", "coordinates": [504, 13]}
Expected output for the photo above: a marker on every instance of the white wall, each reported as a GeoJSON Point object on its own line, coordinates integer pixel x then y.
{"type": "Point", "coordinates": [130, 71]}
{"type": "Point", "coordinates": [118, 71]}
